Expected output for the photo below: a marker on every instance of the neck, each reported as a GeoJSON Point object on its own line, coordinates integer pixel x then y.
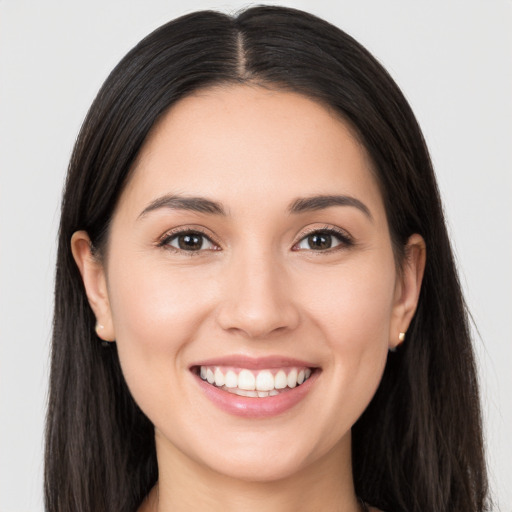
{"type": "Point", "coordinates": [184, 485]}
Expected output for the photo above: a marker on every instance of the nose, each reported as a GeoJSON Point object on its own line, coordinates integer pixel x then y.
{"type": "Point", "coordinates": [256, 299]}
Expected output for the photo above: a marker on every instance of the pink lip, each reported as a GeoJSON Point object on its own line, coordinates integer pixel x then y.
{"type": "Point", "coordinates": [249, 407]}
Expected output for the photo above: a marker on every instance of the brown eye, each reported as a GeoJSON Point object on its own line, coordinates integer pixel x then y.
{"type": "Point", "coordinates": [323, 240]}
{"type": "Point", "coordinates": [319, 241]}
{"type": "Point", "coordinates": [190, 241]}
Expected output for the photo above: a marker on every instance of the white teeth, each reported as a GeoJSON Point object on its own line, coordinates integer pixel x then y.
{"type": "Point", "coordinates": [292, 378]}
{"type": "Point", "coordinates": [245, 392]}
{"type": "Point", "coordinates": [264, 381]}
{"type": "Point", "coordinates": [254, 383]}
{"type": "Point", "coordinates": [246, 380]}
{"type": "Point", "coordinates": [280, 380]}
{"type": "Point", "coordinates": [231, 379]}
{"type": "Point", "coordinates": [219, 378]}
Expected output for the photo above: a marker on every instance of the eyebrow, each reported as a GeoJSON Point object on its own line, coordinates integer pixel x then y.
{"type": "Point", "coordinates": [176, 202]}
{"type": "Point", "coordinates": [307, 204]}
{"type": "Point", "coordinates": [300, 205]}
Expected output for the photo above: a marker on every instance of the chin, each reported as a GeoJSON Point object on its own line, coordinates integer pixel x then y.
{"type": "Point", "coordinates": [260, 468]}
{"type": "Point", "coordinates": [264, 456]}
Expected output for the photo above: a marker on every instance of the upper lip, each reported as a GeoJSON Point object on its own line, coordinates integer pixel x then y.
{"type": "Point", "coordinates": [254, 363]}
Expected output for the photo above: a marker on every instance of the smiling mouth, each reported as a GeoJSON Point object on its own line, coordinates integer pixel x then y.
{"type": "Point", "coordinates": [254, 383]}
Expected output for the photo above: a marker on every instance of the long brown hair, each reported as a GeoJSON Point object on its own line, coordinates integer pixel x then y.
{"type": "Point", "coordinates": [418, 446]}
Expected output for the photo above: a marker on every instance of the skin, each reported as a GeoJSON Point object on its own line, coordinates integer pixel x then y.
{"type": "Point", "coordinates": [257, 289]}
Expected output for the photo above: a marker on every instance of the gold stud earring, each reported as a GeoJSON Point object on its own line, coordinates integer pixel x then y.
{"type": "Point", "coordinates": [104, 342]}
{"type": "Point", "coordinates": [98, 329]}
{"type": "Point", "coordinates": [401, 339]}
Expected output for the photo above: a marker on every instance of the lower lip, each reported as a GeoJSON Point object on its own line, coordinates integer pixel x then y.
{"type": "Point", "coordinates": [250, 407]}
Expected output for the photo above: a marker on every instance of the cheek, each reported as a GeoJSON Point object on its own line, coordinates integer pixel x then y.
{"type": "Point", "coordinates": [353, 303]}
{"type": "Point", "coordinates": [155, 314]}
{"type": "Point", "coordinates": [353, 315]}
{"type": "Point", "coordinates": [152, 302]}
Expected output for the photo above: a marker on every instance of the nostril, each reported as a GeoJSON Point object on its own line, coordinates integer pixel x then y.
{"type": "Point", "coordinates": [258, 322]}
{"type": "Point", "coordinates": [257, 300]}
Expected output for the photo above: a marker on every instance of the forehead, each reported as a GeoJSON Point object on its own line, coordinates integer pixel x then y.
{"type": "Point", "coordinates": [243, 144]}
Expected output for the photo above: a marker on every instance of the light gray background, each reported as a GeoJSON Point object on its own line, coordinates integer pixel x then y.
{"type": "Point", "coordinates": [453, 60]}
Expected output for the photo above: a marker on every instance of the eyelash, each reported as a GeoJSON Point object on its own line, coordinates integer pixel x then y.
{"type": "Point", "coordinates": [166, 239]}
{"type": "Point", "coordinates": [344, 239]}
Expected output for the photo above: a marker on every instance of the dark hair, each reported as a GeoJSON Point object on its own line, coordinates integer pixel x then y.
{"type": "Point", "coordinates": [418, 446]}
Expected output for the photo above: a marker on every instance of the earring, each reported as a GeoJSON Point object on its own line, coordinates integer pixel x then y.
{"type": "Point", "coordinates": [401, 339]}
{"type": "Point", "coordinates": [98, 329]}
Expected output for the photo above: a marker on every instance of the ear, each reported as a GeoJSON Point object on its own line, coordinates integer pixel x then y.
{"type": "Point", "coordinates": [407, 289]}
{"type": "Point", "coordinates": [95, 283]}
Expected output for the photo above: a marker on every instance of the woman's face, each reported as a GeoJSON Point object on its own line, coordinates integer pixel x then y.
{"type": "Point", "coordinates": [250, 249]}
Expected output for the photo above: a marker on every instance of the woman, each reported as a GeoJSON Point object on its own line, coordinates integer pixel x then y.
{"type": "Point", "coordinates": [250, 223]}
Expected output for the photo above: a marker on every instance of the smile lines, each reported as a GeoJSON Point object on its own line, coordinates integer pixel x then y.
{"type": "Point", "coordinates": [255, 384]}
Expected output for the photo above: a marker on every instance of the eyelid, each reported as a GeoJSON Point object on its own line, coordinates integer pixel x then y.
{"type": "Point", "coordinates": [345, 238]}
{"type": "Point", "coordinates": [163, 240]}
